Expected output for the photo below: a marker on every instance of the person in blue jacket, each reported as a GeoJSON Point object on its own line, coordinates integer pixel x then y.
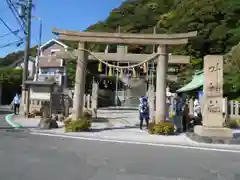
{"type": "Point", "coordinates": [143, 111]}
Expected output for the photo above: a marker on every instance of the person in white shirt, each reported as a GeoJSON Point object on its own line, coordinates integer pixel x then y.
{"type": "Point", "coordinates": [16, 104]}
{"type": "Point", "coordinates": [196, 107]}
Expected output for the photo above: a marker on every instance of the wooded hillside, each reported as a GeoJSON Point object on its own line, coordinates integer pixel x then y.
{"type": "Point", "coordinates": [217, 21]}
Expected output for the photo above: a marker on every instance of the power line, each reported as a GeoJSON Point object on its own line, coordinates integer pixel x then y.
{"type": "Point", "coordinates": [18, 13]}
{"type": "Point", "coordinates": [5, 24]}
{"type": "Point", "coordinates": [7, 34]}
{"type": "Point", "coordinates": [17, 43]}
{"type": "Point", "coordinates": [15, 14]}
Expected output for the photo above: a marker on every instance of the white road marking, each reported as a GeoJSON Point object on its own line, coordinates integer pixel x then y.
{"type": "Point", "coordinates": [139, 143]}
{"type": "Point", "coordinates": [7, 119]}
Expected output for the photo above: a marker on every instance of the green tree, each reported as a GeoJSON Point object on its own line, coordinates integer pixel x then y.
{"type": "Point", "coordinates": [15, 56]}
{"type": "Point", "coordinates": [231, 71]}
{"type": "Point", "coordinates": [10, 76]}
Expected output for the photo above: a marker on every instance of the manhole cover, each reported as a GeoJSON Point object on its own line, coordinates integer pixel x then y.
{"type": "Point", "coordinates": [10, 129]}
{"type": "Point", "coordinates": [15, 130]}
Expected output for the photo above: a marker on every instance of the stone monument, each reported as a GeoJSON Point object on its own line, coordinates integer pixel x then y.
{"type": "Point", "coordinates": [46, 121]}
{"type": "Point", "coordinates": [212, 106]}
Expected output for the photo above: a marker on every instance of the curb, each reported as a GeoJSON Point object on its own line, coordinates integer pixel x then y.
{"type": "Point", "coordinates": [121, 141]}
{"type": "Point", "coordinates": [9, 120]}
{"type": "Point", "coordinates": [210, 140]}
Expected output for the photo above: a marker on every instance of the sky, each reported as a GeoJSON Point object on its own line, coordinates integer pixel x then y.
{"type": "Point", "coordinates": [62, 14]}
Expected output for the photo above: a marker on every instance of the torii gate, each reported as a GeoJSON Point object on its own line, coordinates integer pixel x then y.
{"type": "Point", "coordinates": [162, 40]}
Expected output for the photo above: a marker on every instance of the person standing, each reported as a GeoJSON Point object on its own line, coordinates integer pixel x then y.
{"type": "Point", "coordinates": [179, 114]}
{"type": "Point", "coordinates": [16, 104]}
{"type": "Point", "coordinates": [143, 111]}
{"type": "Point", "coordinates": [185, 119]}
{"type": "Point", "coordinates": [196, 108]}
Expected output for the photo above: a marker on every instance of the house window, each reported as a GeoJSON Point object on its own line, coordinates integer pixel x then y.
{"type": "Point", "coordinates": [53, 51]}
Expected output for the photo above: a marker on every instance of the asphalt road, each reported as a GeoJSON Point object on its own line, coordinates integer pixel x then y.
{"type": "Point", "coordinates": [32, 157]}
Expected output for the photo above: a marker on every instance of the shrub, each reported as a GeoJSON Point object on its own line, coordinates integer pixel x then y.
{"type": "Point", "coordinates": [162, 128]}
{"type": "Point", "coordinates": [77, 125]}
{"type": "Point", "coordinates": [233, 123]}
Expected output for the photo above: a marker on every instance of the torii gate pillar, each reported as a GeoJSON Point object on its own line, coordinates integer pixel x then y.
{"type": "Point", "coordinates": [161, 83]}
{"type": "Point", "coordinates": [78, 103]}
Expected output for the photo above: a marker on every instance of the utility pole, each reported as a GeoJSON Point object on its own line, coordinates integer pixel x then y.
{"type": "Point", "coordinates": [27, 14]}
{"type": "Point", "coordinates": [39, 48]}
